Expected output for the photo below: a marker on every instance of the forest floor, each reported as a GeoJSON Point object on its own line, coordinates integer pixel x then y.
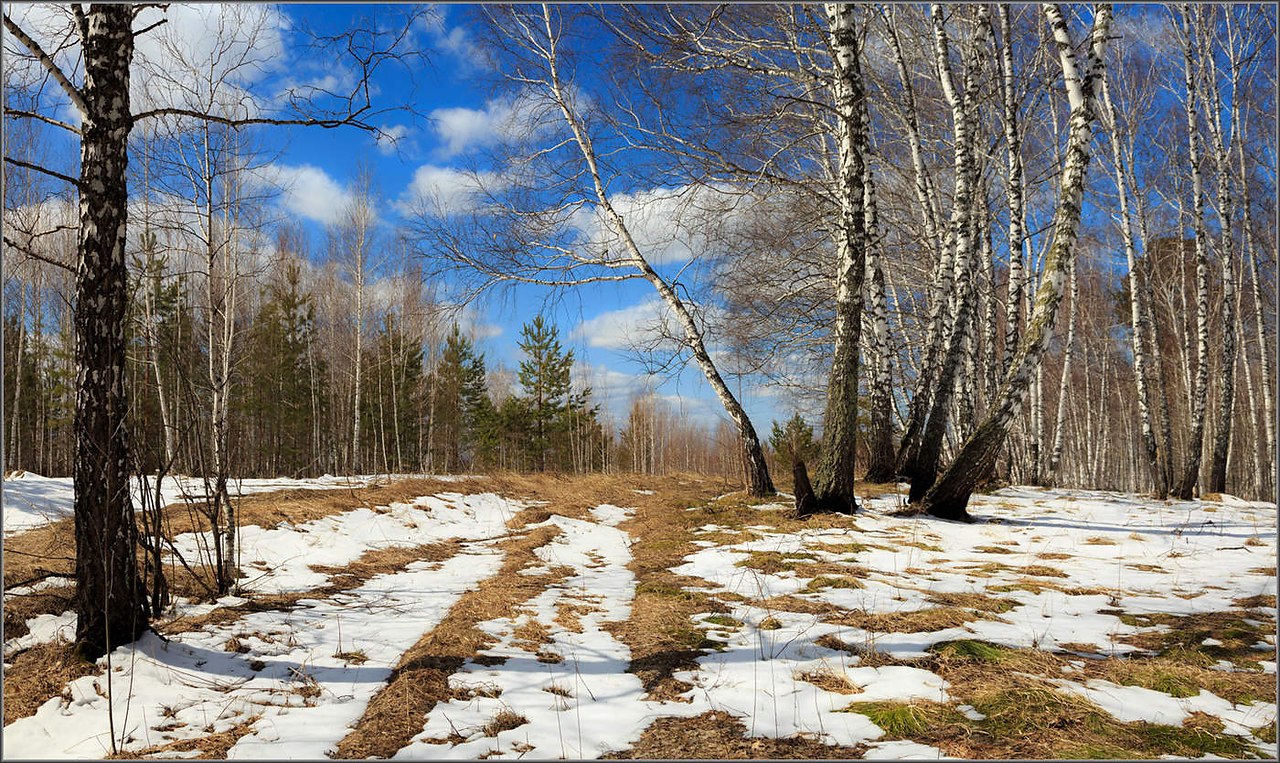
{"type": "Point", "coordinates": [633, 617]}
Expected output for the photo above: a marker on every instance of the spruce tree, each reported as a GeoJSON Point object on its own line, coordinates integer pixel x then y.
{"type": "Point", "coordinates": [464, 413]}
{"type": "Point", "coordinates": [544, 375]}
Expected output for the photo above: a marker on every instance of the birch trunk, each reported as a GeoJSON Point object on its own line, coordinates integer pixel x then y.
{"type": "Point", "coordinates": [833, 480]}
{"type": "Point", "coordinates": [1013, 190]}
{"type": "Point", "coordinates": [111, 602]}
{"type": "Point", "coordinates": [1260, 324]}
{"type": "Point", "coordinates": [1064, 386]}
{"type": "Point", "coordinates": [949, 496]}
{"type": "Point", "coordinates": [1186, 486]}
{"type": "Point", "coordinates": [925, 468]}
{"type": "Point", "coordinates": [1222, 163]}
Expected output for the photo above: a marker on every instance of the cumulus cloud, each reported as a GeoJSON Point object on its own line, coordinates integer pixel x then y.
{"type": "Point", "coordinates": [669, 225]}
{"type": "Point", "coordinates": [626, 327]}
{"type": "Point", "coordinates": [440, 190]}
{"type": "Point", "coordinates": [203, 57]}
{"type": "Point", "coordinates": [307, 191]}
{"type": "Point", "coordinates": [507, 118]}
{"type": "Point", "coordinates": [392, 138]}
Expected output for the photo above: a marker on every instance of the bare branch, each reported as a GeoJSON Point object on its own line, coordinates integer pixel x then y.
{"type": "Point", "coordinates": [28, 165]}
{"type": "Point", "coordinates": [41, 117]}
{"type": "Point", "coordinates": [77, 99]}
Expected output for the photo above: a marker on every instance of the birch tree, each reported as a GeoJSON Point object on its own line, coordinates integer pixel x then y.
{"type": "Point", "coordinates": [949, 496]}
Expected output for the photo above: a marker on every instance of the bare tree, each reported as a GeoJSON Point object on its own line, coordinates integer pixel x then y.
{"type": "Point", "coordinates": [529, 243]}
{"type": "Point", "coordinates": [949, 496]}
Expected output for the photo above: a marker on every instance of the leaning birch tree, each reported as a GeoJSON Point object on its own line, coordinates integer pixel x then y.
{"type": "Point", "coordinates": [498, 229]}
{"type": "Point", "coordinates": [949, 496]}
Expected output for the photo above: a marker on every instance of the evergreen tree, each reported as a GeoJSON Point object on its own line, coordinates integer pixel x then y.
{"type": "Point", "coordinates": [279, 398]}
{"type": "Point", "coordinates": [544, 375]}
{"type": "Point", "coordinates": [462, 431]}
{"type": "Point", "coordinates": [794, 441]}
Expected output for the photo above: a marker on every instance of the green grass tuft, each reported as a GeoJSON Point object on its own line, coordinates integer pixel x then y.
{"type": "Point", "coordinates": [970, 649]}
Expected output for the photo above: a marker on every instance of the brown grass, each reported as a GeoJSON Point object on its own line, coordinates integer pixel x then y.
{"type": "Point", "coordinates": [1042, 570]}
{"type": "Point", "coordinates": [718, 735]}
{"type": "Point", "coordinates": [1261, 601]}
{"type": "Point", "coordinates": [831, 679]}
{"type": "Point", "coordinates": [382, 561]}
{"type": "Point", "coordinates": [920, 621]}
{"type": "Point", "coordinates": [18, 609]}
{"type": "Point", "coordinates": [973, 600]}
{"type": "Point", "coordinates": [38, 675]}
{"type": "Point", "coordinates": [660, 632]}
{"type": "Point", "coordinates": [421, 679]}
{"type": "Point", "coordinates": [211, 746]}
{"type": "Point", "coordinates": [993, 550]}
{"type": "Point", "coordinates": [505, 720]}
{"type": "Point", "coordinates": [1099, 540]}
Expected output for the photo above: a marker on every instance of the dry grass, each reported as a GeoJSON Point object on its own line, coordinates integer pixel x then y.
{"type": "Point", "coordinates": [973, 600]}
{"type": "Point", "coordinates": [830, 679]}
{"type": "Point", "coordinates": [39, 674]}
{"type": "Point", "coordinates": [1042, 570]}
{"type": "Point", "coordinates": [505, 720]}
{"type": "Point", "coordinates": [720, 736]}
{"type": "Point", "coordinates": [660, 632]}
{"type": "Point", "coordinates": [421, 679]}
{"type": "Point", "coordinates": [993, 550]}
{"type": "Point", "coordinates": [1099, 540]}
{"type": "Point", "coordinates": [1260, 601]}
{"type": "Point", "coordinates": [920, 621]}
{"type": "Point", "coordinates": [790, 603]}
{"type": "Point", "coordinates": [212, 746]}
{"type": "Point", "coordinates": [382, 561]}
{"type": "Point", "coordinates": [20, 608]}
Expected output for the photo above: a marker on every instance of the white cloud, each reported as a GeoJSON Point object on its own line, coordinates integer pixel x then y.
{"type": "Point", "coordinates": [445, 190]}
{"type": "Point", "coordinates": [507, 118]}
{"type": "Point", "coordinates": [669, 225]}
{"type": "Point", "coordinates": [203, 57]}
{"type": "Point", "coordinates": [453, 40]}
{"type": "Point", "coordinates": [392, 138]}
{"type": "Point", "coordinates": [627, 327]}
{"type": "Point", "coordinates": [307, 191]}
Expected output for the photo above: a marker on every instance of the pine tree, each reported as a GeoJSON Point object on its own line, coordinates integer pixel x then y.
{"type": "Point", "coordinates": [544, 375]}
{"type": "Point", "coordinates": [793, 441]}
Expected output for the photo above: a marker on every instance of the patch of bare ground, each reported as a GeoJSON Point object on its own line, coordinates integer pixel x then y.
{"type": "Point", "coordinates": [1027, 717]}
{"type": "Point", "coordinates": [18, 609]}
{"type": "Point", "coordinates": [1231, 635]}
{"type": "Point", "coordinates": [718, 735]}
{"type": "Point", "coordinates": [1261, 601]}
{"type": "Point", "coordinates": [213, 746]}
{"type": "Point", "coordinates": [973, 600]}
{"type": "Point", "coordinates": [381, 561]}
{"type": "Point", "coordinates": [660, 632]}
{"type": "Point", "coordinates": [421, 678]}
{"type": "Point", "coordinates": [39, 674]}
{"type": "Point", "coordinates": [797, 604]}
{"type": "Point", "coordinates": [919, 621]}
